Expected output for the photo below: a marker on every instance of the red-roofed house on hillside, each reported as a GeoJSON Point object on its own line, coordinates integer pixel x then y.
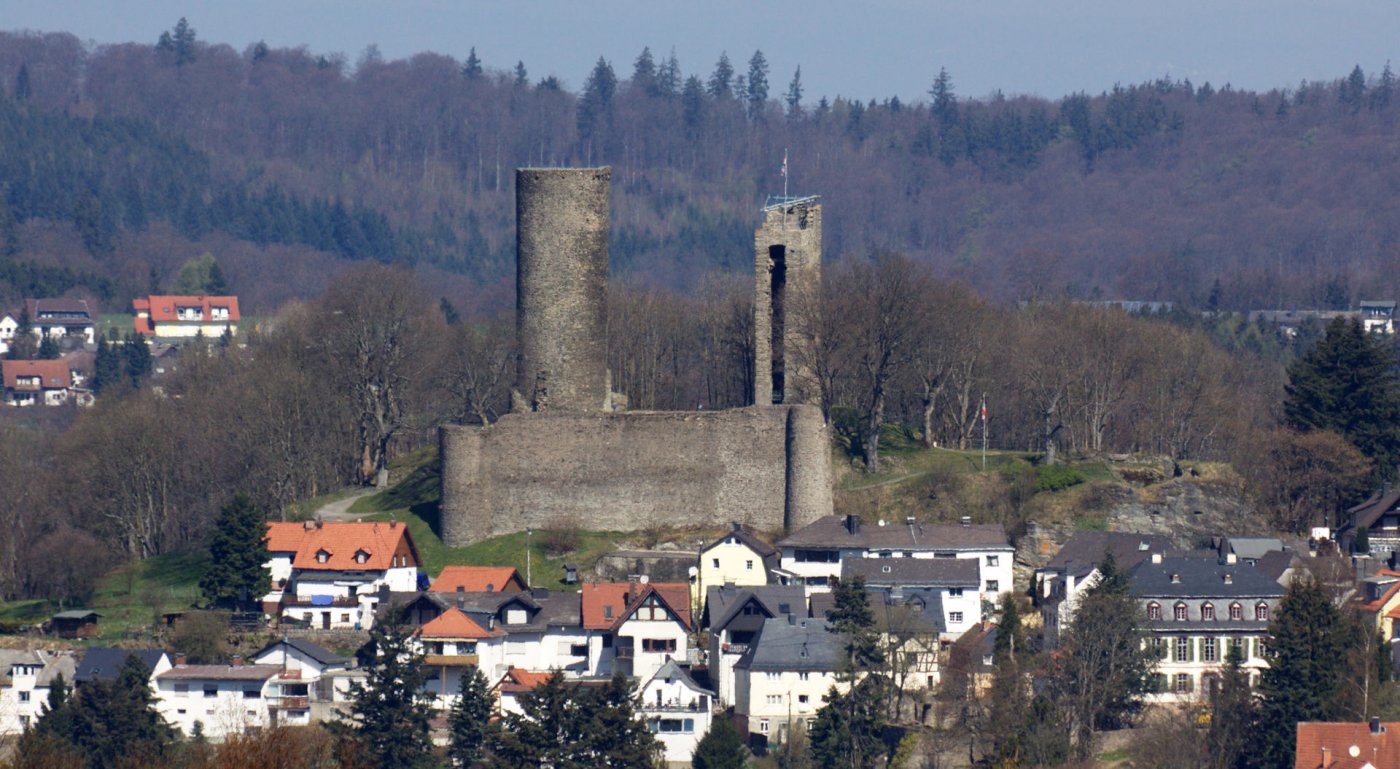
{"type": "Point", "coordinates": [32, 382]}
{"type": "Point", "coordinates": [451, 645]}
{"type": "Point", "coordinates": [329, 575]}
{"type": "Point", "coordinates": [185, 317]}
{"type": "Point", "coordinates": [1348, 745]}
{"type": "Point", "coordinates": [515, 682]}
{"type": "Point", "coordinates": [60, 318]}
{"type": "Point", "coordinates": [636, 627]}
{"type": "Point", "coordinates": [478, 579]}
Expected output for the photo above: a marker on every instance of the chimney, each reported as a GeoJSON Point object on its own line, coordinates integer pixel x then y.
{"type": "Point", "coordinates": [1176, 578]}
{"type": "Point", "coordinates": [180, 659]}
{"type": "Point", "coordinates": [236, 661]}
{"type": "Point", "coordinates": [491, 623]}
{"type": "Point", "coordinates": [1231, 558]}
{"type": "Point", "coordinates": [1156, 557]}
{"type": "Point", "coordinates": [735, 526]}
{"type": "Point", "coordinates": [1326, 758]}
{"type": "Point", "coordinates": [1376, 725]}
{"type": "Point", "coordinates": [1229, 578]}
{"type": "Point", "coordinates": [853, 524]}
{"type": "Point", "coordinates": [308, 525]}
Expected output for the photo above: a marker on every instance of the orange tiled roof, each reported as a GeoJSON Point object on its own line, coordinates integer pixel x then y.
{"type": "Point", "coordinates": [453, 623]}
{"type": "Point", "coordinates": [521, 680]}
{"type": "Point", "coordinates": [164, 309]}
{"type": "Point", "coordinates": [478, 579]}
{"type": "Point", "coordinates": [622, 597]}
{"type": "Point", "coordinates": [340, 541]}
{"type": "Point", "coordinates": [53, 374]}
{"type": "Point", "coordinates": [1380, 750]}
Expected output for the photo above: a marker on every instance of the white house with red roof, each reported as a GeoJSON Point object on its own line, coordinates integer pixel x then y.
{"type": "Point", "coordinates": [185, 317]}
{"type": "Point", "coordinates": [636, 627]}
{"type": "Point", "coordinates": [36, 382]}
{"type": "Point", "coordinates": [224, 700]}
{"type": "Point", "coordinates": [515, 682]}
{"type": "Point", "coordinates": [452, 645]}
{"type": "Point", "coordinates": [328, 575]}
{"type": "Point", "coordinates": [478, 579]}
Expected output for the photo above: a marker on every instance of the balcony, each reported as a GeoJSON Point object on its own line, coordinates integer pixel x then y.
{"type": "Point", "coordinates": [289, 703]}
{"type": "Point", "coordinates": [451, 660]}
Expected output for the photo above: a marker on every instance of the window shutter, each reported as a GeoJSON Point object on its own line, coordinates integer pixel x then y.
{"type": "Point", "coordinates": [1195, 649]}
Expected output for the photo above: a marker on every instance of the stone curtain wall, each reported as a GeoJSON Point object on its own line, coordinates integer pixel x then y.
{"type": "Point", "coordinates": [768, 467]}
{"type": "Point", "coordinates": [562, 288]}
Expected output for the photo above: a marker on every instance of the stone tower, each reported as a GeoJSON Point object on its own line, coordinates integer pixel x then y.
{"type": "Point", "coordinates": [561, 288]}
{"type": "Point", "coordinates": [788, 271]}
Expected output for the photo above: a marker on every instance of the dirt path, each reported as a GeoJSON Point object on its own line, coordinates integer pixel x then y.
{"type": "Point", "coordinates": [339, 510]}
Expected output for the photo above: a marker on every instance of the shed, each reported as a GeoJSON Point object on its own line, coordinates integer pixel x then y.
{"type": "Point", "coordinates": [79, 623]}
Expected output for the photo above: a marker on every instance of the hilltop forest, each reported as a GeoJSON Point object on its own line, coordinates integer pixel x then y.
{"type": "Point", "coordinates": [121, 161]}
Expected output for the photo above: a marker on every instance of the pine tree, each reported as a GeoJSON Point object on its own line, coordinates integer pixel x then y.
{"type": "Point", "coordinates": [794, 95]}
{"type": "Point", "coordinates": [614, 736]}
{"type": "Point", "coordinates": [48, 348]}
{"type": "Point", "coordinates": [644, 72]}
{"type": "Point", "coordinates": [137, 358]}
{"type": "Point", "coordinates": [757, 93]}
{"type": "Point", "coordinates": [470, 720]}
{"type": "Point", "coordinates": [595, 106]}
{"type": "Point", "coordinates": [522, 75]}
{"type": "Point", "coordinates": [389, 716]}
{"type": "Point", "coordinates": [1305, 658]}
{"type": "Point", "coordinates": [854, 621]}
{"type": "Point", "coordinates": [235, 575]}
{"type": "Point", "coordinates": [23, 89]}
{"type": "Point", "coordinates": [107, 366]}
{"type": "Point", "coordinates": [668, 77]}
{"type": "Point", "coordinates": [848, 728]}
{"type": "Point", "coordinates": [24, 345]}
{"type": "Point", "coordinates": [1010, 706]}
{"type": "Point", "coordinates": [1231, 716]}
{"type": "Point", "coordinates": [1348, 384]}
{"type": "Point", "coordinates": [721, 748]}
{"type": "Point", "coordinates": [1352, 92]}
{"type": "Point", "coordinates": [722, 79]}
{"type": "Point", "coordinates": [565, 726]}
{"type": "Point", "coordinates": [114, 723]}
{"type": "Point", "coordinates": [472, 68]}
{"type": "Point", "coordinates": [945, 103]}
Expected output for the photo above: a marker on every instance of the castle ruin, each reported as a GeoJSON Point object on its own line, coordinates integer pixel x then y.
{"type": "Point", "coordinates": [568, 455]}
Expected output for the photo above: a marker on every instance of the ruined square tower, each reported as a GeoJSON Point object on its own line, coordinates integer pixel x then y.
{"type": "Point", "coordinates": [787, 298]}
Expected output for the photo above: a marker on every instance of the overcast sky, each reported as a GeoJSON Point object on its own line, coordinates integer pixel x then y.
{"type": "Point", "coordinates": [865, 48]}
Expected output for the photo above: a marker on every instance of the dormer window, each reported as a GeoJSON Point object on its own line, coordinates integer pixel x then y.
{"type": "Point", "coordinates": [1179, 612]}
{"type": "Point", "coordinates": [322, 556]}
{"type": "Point", "coordinates": [1261, 612]}
{"type": "Point", "coordinates": [361, 556]}
{"type": "Point", "coordinates": [1154, 611]}
{"type": "Point", "coordinates": [1208, 611]}
{"type": "Point", "coordinates": [1236, 612]}
{"type": "Point", "coordinates": [607, 612]}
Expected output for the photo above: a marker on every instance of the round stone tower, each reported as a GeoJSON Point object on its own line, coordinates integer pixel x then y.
{"type": "Point", "coordinates": [561, 288]}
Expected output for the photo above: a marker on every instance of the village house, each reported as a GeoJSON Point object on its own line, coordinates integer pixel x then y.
{"type": "Point", "coordinates": [478, 579]}
{"type": "Point", "coordinates": [218, 700]}
{"type": "Point", "coordinates": [636, 627]}
{"type": "Point", "coordinates": [299, 694]}
{"type": "Point", "coordinates": [783, 678]}
{"type": "Point", "coordinates": [913, 631]}
{"type": "Point", "coordinates": [971, 661]}
{"type": "Point", "coordinates": [1377, 317]}
{"type": "Point", "coordinates": [25, 680]}
{"type": "Point", "coordinates": [812, 555]}
{"type": "Point", "coordinates": [8, 327]}
{"type": "Point", "coordinates": [737, 558]}
{"type": "Point", "coordinates": [1197, 610]}
{"type": "Point", "coordinates": [104, 663]}
{"type": "Point", "coordinates": [733, 616]}
{"type": "Point", "coordinates": [329, 575]}
{"type": "Point", "coordinates": [513, 683]}
{"type": "Point", "coordinates": [1347, 745]}
{"type": "Point", "coordinates": [62, 319]}
{"type": "Point", "coordinates": [186, 317]}
{"type": "Point", "coordinates": [1059, 583]}
{"type": "Point", "coordinates": [676, 710]}
{"type": "Point", "coordinates": [452, 646]}
{"type": "Point", "coordinates": [1378, 602]}
{"type": "Point", "coordinates": [949, 585]}
{"type": "Point", "coordinates": [36, 382]}
{"type": "Point", "coordinates": [1379, 516]}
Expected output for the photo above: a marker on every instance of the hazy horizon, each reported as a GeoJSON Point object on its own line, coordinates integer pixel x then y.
{"type": "Point", "coordinates": [869, 50]}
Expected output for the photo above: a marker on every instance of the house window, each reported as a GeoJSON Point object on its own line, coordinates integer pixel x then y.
{"type": "Point", "coordinates": [992, 560]}
{"type": "Point", "coordinates": [1263, 645]}
{"type": "Point", "coordinates": [748, 565]}
{"type": "Point", "coordinates": [211, 690]}
{"type": "Point", "coordinates": [182, 690]}
{"type": "Point", "coordinates": [1208, 611]}
{"type": "Point", "coordinates": [23, 696]}
{"type": "Point", "coordinates": [361, 556]}
{"type": "Point", "coordinates": [1183, 683]}
{"type": "Point", "coordinates": [252, 694]}
{"type": "Point", "coordinates": [817, 556]}
{"type": "Point", "coordinates": [1261, 612]}
{"type": "Point", "coordinates": [762, 726]}
{"type": "Point", "coordinates": [774, 675]}
{"type": "Point", "coordinates": [1237, 646]}
{"type": "Point", "coordinates": [322, 556]}
{"type": "Point", "coordinates": [804, 676]}
{"type": "Point", "coordinates": [714, 562]}
{"type": "Point", "coordinates": [1236, 613]}
{"type": "Point", "coordinates": [1208, 650]}
{"type": "Point", "coordinates": [1159, 648]}
{"type": "Point", "coordinates": [578, 650]}
{"type": "Point", "coordinates": [1154, 611]}
{"type": "Point", "coordinates": [775, 699]}
{"type": "Point", "coordinates": [345, 616]}
{"type": "Point", "coordinates": [659, 645]}
{"type": "Point", "coordinates": [992, 586]}
{"type": "Point", "coordinates": [1183, 650]}
{"type": "Point", "coordinates": [955, 592]}
{"type": "Point", "coordinates": [955, 617]}
{"type": "Point", "coordinates": [1179, 612]}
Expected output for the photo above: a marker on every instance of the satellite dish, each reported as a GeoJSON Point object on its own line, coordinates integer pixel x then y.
{"type": "Point", "coordinates": [1353, 751]}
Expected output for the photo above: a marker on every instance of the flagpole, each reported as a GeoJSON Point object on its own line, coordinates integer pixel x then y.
{"type": "Point", "coordinates": [984, 432]}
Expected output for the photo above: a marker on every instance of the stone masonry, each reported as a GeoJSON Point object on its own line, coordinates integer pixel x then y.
{"type": "Point", "coordinates": [788, 279]}
{"type": "Point", "coordinates": [564, 457]}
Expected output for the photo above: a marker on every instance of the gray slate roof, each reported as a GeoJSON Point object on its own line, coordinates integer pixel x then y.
{"type": "Point", "coordinates": [1200, 578]}
{"type": "Point", "coordinates": [832, 532]}
{"type": "Point", "coordinates": [723, 602]}
{"type": "Point", "coordinates": [673, 670]}
{"type": "Point", "coordinates": [793, 644]}
{"type": "Point", "coordinates": [103, 663]}
{"type": "Point", "coordinates": [319, 653]}
{"type": "Point", "coordinates": [919, 611]}
{"type": "Point", "coordinates": [922, 572]}
{"type": "Point", "coordinates": [1085, 550]}
{"type": "Point", "coordinates": [743, 534]}
{"type": "Point", "coordinates": [1254, 547]}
